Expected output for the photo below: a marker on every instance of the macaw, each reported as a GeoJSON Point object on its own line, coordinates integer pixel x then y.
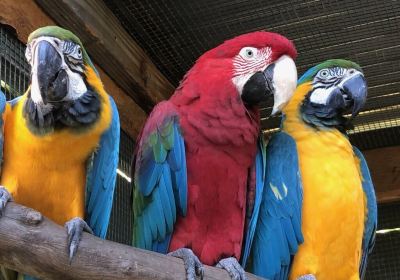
{"type": "Point", "coordinates": [318, 215]}
{"type": "Point", "coordinates": [194, 172]}
{"type": "Point", "coordinates": [61, 138]}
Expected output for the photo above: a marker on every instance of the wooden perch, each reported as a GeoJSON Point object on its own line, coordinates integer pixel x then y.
{"type": "Point", "coordinates": [32, 244]}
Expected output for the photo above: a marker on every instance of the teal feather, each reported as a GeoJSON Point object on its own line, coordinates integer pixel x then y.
{"type": "Point", "coordinates": [101, 177]}
{"type": "Point", "coordinates": [278, 231]}
{"type": "Point", "coordinates": [160, 179]}
{"type": "Point", "coordinates": [371, 222]}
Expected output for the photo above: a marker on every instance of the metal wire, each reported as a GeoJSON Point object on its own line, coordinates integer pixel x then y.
{"type": "Point", "coordinates": [176, 33]}
{"type": "Point", "coordinates": [14, 70]}
{"type": "Point", "coordinates": [14, 77]}
{"type": "Point", "coordinates": [121, 221]}
{"type": "Point", "coordinates": [384, 263]}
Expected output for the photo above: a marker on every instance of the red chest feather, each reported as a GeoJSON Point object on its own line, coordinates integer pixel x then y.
{"type": "Point", "coordinates": [220, 149]}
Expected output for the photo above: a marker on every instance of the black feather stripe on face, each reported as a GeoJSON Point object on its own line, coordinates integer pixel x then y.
{"type": "Point", "coordinates": [77, 115]}
{"type": "Point", "coordinates": [320, 116]}
{"type": "Point", "coordinates": [74, 65]}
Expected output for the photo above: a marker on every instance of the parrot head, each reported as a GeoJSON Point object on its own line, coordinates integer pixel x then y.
{"type": "Point", "coordinates": [254, 66]}
{"type": "Point", "coordinates": [334, 87]}
{"type": "Point", "coordinates": [63, 81]}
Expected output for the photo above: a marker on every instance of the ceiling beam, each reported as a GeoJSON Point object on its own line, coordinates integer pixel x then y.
{"type": "Point", "coordinates": [14, 13]}
{"type": "Point", "coordinates": [112, 48]}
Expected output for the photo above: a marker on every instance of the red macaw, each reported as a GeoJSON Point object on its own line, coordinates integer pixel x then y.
{"type": "Point", "coordinates": [194, 169]}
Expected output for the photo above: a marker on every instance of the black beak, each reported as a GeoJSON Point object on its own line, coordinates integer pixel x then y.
{"type": "Point", "coordinates": [352, 94]}
{"type": "Point", "coordinates": [52, 79]}
{"type": "Point", "coordinates": [355, 93]}
{"type": "Point", "coordinates": [259, 87]}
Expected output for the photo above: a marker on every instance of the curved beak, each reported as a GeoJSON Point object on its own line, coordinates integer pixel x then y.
{"type": "Point", "coordinates": [259, 87]}
{"type": "Point", "coordinates": [52, 80]}
{"type": "Point", "coordinates": [277, 79]}
{"type": "Point", "coordinates": [285, 82]}
{"type": "Point", "coordinates": [354, 90]}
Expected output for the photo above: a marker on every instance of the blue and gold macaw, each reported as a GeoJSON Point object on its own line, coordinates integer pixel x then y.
{"type": "Point", "coordinates": [318, 215]}
{"type": "Point", "coordinates": [61, 138]}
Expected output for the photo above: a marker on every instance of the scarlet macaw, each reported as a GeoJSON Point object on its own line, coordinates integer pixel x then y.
{"type": "Point", "coordinates": [194, 172]}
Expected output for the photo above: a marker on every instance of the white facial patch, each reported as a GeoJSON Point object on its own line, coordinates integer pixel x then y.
{"type": "Point", "coordinates": [324, 83]}
{"type": "Point", "coordinates": [249, 61]}
{"type": "Point", "coordinates": [76, 85]}
{"type": "Point", "coordinates": [321, 95]}
{"type": "Point", "coordinates": [284, 81]}
{"type": "Point", "coordinates": [240, 81]}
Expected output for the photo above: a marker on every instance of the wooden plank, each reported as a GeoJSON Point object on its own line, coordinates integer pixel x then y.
{"type": "Point", "coordinates": [112, 48]}
{"type": "Point", "coordinates": [384, 164]}
{"type": "Point", "coordinates": [36, 246]}
{"type": "Point", "coordinates": [14, 13]}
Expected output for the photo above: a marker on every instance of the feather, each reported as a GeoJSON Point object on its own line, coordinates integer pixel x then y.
{"type": "Point", "coordinates": [160, 179]}
{"type": "Point", "coordinates": [101, 176]}
{"type": "Point", "coordinates": [371, 222]}
{"type": "Point", "coordinates": [278, 232]}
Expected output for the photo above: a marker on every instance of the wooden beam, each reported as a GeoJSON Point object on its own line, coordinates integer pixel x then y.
{"type": "Point", "coordinates": [34, 245]}
{"type": "Point", "coordinates": [14, 13]}
{"type": "Point", "coordinates": [384, 164]}
{"type": "Point", "coordinates": [112, 48]}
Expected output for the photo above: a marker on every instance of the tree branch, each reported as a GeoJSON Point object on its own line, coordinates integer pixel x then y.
{"type": "Point", "coordinates": [34, 245]}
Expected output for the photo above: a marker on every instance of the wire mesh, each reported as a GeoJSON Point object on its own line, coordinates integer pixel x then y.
{"type": "Point", "coordinates": [121, 221]}
{"type": "Point", "coordinates": [14, 70]}
{"type": "Point", "coordinates": [14, 78]}
{"type": "Point", "coordinates": [176, 33]}
{"type": "Point", "coordinates": [384, 263]}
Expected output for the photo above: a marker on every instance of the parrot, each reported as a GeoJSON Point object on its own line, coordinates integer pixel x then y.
{"type": "Point", "coordinates": [194, 172]}
{"type": "Point", "coordinates": [60, 140]}
{"type": "Point", "coordinates": [318, 215]}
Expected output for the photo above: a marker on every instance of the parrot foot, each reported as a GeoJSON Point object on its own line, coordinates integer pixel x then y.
{"type": "Point", "coordinates": [75, 227]}
{"type": "Point", "coordinates": [193, 266]}
{"type": "Point", "coordinates": [235, 270]}
{"type": "Point", "coordinates": [307, 277]}
{"type": "Point", "coordinates": [5, 197]}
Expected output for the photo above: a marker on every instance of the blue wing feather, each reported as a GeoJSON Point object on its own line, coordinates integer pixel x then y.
{"type": "Point", "coordinates": [278, 230]}
{"type": "Point", "coordinates": [3, 103]}
{"type": "Point", "coordinates": [371, 222]}
{"type": "Point", "coordinates": [160, 179]}
{"type": "Point", "coordinates": [101, 176]}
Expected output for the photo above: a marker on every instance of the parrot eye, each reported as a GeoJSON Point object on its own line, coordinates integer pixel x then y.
{"type": "Point", "coordinates": [72, 50]}
{"type": "Point", "coordinates": [78, 52]}
{"type": "Point", "coordinates": [324, 73]}
{"type": "Point", "coordinates": [248, 52]}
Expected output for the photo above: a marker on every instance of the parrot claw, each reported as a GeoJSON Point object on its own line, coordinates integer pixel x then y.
{"type": "Point", "coordinates": [5, 197]}
{"type": "Point", "coordinates": [307, 277]}
{"type": "Point", "coordinates": [193, 266]}
{"type": "Point", "coordinates": [232, 266]}
{"type": "Point", "coordinates": [75, 227]}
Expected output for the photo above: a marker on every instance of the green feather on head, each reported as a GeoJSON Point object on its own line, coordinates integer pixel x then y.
{"type": "Point", "coordinates": [62, 34]}
{"type": "Point", "coordinates": [310, 73]}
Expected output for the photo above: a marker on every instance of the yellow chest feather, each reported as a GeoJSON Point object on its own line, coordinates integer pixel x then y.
{"type": "Point", "coordinates": [48, 173]}
{"type": "Point", "coordinates": [333, 202]}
